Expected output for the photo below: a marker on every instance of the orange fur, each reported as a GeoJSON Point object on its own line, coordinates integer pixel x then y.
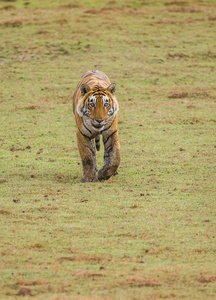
{"type": "Point", "coordinates": [95, 108]}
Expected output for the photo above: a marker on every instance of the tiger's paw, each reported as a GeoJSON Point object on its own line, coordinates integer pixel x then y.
{"type": "Point", "coordinates": [103, 175]}
{"type": "Point", "coordinates": [87, 179]}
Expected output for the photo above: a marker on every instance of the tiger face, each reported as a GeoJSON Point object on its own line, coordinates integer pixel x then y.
{"type": "Point", "coordinates": [97, 106]}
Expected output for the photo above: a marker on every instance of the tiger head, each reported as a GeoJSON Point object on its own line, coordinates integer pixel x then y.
{"type": "Point", "coordinates": [97, 105]}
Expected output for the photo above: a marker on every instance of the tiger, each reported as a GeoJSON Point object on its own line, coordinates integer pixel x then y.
{"type": "Point", "coordinates": [95, 109]}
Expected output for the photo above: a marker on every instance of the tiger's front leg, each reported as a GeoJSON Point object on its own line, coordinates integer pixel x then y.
{"type": "Point", "coordinates": [111, 156]}
{"type": "Point", "coordinates": [88, 157]}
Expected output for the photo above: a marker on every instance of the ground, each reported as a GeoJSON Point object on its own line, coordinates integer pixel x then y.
{"type": "Point", "coordinates": [149, 232]}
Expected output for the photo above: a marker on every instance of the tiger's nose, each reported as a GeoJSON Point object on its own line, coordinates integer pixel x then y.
{"type": "Point", "coordinates": [99, 121]}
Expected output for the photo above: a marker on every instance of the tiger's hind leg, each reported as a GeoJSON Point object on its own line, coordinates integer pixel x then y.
{"type": "Point", "coordinates": [97, 143]}
{"type": "Point", "coordinates": [111, 156]}
{"type": "Point", "coordinates": [94, 155]}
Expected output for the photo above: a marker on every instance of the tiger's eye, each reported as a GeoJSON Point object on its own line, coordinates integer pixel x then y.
{"type": "Point", "coordinates": [106, 104]}
{"type": "Point", "coordinates": [91, 104]}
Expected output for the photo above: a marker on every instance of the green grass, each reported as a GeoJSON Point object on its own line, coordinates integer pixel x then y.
{"type": "Point", "coordinates": [148, 233]}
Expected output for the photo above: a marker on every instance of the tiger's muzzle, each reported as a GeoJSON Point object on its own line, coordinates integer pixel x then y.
{"type": "Point", "coordinates": [98, 123]}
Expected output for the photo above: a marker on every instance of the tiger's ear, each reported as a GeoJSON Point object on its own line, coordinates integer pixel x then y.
{"type": "Point", "coordinates": [112, 88]}
{"type": "Point", "coordinates": [84, 89]}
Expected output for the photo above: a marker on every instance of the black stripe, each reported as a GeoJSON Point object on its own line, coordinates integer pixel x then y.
{"type": "Point", "coordinates": [108, 127]}
{"type": "Point", "coordinates": [99, 89]}
{"type": "Point", "coordinates": [84, 103]}
{"type": "Point", "coordinates": [99, 94]}
{"type": "Point", "coordinates": [110, 136]}
{"type": "Point", "coordinates": [85, 126]}
{"type": "Point", "coordinates": [83, 134]}
{"type": "Point", "coordinates": [92, 151]}
{"type": "Point", "coordinates": [97, 139]}
{"type": "Point", "coordinates": [87, 75]}
{"type": "Point", "coordinates": [90, 80]}
{"type": "Point", "coordinates": [97, 142]}
{"type": "Point", "coordinates": [110, 148]}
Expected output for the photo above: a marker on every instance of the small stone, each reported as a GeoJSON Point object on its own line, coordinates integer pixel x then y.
{"type": "Point", "coordinates": [16, 200]}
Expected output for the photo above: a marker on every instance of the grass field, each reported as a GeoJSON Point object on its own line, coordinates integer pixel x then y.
{"type": "Point", "coordinates": [150, 232]}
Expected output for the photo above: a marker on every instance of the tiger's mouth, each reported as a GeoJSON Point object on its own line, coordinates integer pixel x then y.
{"type": "Point", "coordinates": [98, 126]}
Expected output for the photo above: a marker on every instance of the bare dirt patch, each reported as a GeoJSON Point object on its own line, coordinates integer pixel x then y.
{"type": "Point", "coordinates": [5, 212]}
{"type": "Point", "coordinates": [177, 56]}
{"type": "Point", "coordinates": [86, 273]}
{"type": "Point", "coordinates": [207, 279]}
{"type": "Point", "coordinates": [198, 92]}
{"type": "Point", "coordinates": [8, 0]}
{"type": "Point", "coordinates": [11, 24]}
{"type": "Point", "coordinates": [83, 257]}
{"type": "Point", "coordinates": [24, 291]}
{"type": "Point", "coordinates": [140, 281]}
{"type": "Point", "coordinates": [178, 95]}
